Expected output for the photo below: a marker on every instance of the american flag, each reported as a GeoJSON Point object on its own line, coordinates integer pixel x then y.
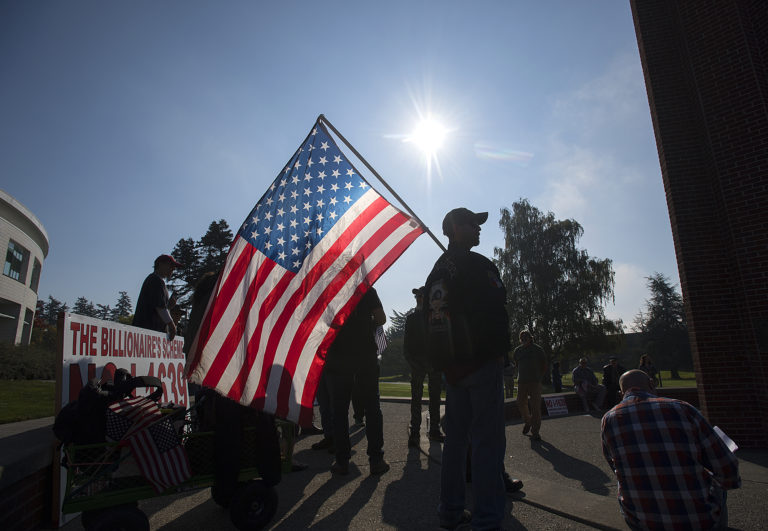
{"type": "Point", "coordinates": [305, 255]}
{"type": "Point", "coordinates": [154, 443]}
{"type": "Point", "coordinates": [381, 340]}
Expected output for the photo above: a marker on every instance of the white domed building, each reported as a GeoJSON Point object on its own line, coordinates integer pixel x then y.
{"type": "Point", "coordinates": [25, 242]}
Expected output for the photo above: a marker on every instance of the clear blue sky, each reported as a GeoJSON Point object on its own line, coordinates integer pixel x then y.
{"type": "Point", "coordinates": [125, 126]}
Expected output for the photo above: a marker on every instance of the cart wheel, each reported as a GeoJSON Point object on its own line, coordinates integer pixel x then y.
{"type": "Point", "coordinates": [119, 518]}
{"type": "Point", "coordinates": [253, 506]}
{"type": "Point", "coordinates": [221, 499]}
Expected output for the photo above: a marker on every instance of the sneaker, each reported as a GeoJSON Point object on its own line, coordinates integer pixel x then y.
{"type": "Point", "coordinates": [526, 428]}
{"type": "Point", "coordinates": [359, 421]}
{"type": "Point", "coordinates": [536, 437]}
{"type": "Point", "coordinates": [463, 519]}
{"type": "Point", "coordinates": [312, 430]}
{"type": "Point", "coordinates": [378, 468]}
{"type": "Point", "coordinates": [512, 485]}
{"type": "Point", "coordinates": [436, 436]}
{"type": "Point", "coordinates": [340, 468]}
{"type": "Point", "coordinates": [323, 444]}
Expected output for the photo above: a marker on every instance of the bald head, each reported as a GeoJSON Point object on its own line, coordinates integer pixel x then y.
{"type": "Point", "coordinates": [636, 379]}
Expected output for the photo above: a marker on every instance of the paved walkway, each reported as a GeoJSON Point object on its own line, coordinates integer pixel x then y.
{"type": "Point", "coordinates": [568, 485]}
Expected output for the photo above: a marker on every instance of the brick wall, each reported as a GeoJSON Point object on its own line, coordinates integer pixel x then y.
{"type": "Point", "coordinates": [26, 504]}
{"type": "Point", "coordinates": [704, 63]}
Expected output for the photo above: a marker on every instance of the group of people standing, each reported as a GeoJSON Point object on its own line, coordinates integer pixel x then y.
{"type": "Point", "coordinates": [460, 332]}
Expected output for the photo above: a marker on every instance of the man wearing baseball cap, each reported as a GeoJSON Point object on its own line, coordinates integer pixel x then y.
{"type": "Point", "coordinates": [153, 306]}
{"type": "Point", "coordinates": [468, 336]}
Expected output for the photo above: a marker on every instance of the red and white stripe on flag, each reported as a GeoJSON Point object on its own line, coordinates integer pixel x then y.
{"type": "Point", "coordinates": [313, 245]}
{"type": "Point", "coordinates": [154, 443]}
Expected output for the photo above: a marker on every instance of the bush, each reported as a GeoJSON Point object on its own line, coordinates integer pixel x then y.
{"type": "Point", "coordinates": [27, 362]}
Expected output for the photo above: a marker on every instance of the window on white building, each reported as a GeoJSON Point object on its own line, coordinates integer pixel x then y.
{"type": "Point", "coordinates": [34, 282]}
{"type": "Point", "coordinates": [16, 261]}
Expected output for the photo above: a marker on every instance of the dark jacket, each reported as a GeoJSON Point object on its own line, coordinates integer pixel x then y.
{"type": "Point", "coordinates": [415, 341]}
{"type": "Point", "coordinates": [465, 290]}
{"type": "Point", "coordinates": [153, 295]}
{"type": "Point", "coordinates": [355, 343]}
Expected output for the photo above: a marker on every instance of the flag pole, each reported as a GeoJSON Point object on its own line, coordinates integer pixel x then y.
{"type": "Point", "coordinates": [381, 180]}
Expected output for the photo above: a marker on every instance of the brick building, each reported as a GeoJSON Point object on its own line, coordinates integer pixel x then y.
{"type": "Point", "coordinates": [706, 72]}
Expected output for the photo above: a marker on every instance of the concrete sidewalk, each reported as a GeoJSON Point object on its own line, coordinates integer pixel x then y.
{"type": "Point", "coordinates": [568, 485]}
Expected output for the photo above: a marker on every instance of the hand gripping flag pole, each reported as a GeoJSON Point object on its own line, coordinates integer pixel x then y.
{"type": "Point", "coordinates": [312, 246]}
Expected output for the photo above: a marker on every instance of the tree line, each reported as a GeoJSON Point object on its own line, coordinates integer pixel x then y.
{"type": "Point", "coordinates": [555, 289]}
{"type": "Point", "coordinates": [558, 291]}
{"type": "Point", "coordinates": [197, 257]}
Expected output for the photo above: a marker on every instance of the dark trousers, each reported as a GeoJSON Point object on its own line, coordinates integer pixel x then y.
{"type": "Point", "coordinates": [612, 396]}
{"type": "Point", "coordinates": [417, 392]}
{"type": "Point", "coordinates": [358, 408]}
{"type": "Point", "coordinates": [325, 406]}
{"type": "Point", "coordinates": [341, 383]}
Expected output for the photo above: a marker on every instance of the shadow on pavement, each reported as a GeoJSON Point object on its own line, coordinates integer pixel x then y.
{"type": "Point", "coordinates": [303, 516]}
{"type": "Point", "coordinates": [592, 478]}
{"type": "Point", "coordinates": [420, 474]}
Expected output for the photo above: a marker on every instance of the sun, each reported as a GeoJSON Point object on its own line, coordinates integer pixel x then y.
{"type": "Point", "coordinates": [428, 135]}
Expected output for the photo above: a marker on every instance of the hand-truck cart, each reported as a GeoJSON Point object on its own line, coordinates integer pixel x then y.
{"type": "Point", "coordinates": [105, 485]}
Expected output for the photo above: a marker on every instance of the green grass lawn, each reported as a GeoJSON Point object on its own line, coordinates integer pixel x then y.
{"type": "Point", "coordinates": [26, 399]}
{"type": "Point", "coordinates": [687, 379]}
{"type": "Point", "coordinates": [32, 399]}
{"type": "Point", "coordinates": [390, 386]}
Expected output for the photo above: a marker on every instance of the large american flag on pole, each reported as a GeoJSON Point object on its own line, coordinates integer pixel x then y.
{"type": "Point", "coordinates": [309, 250]}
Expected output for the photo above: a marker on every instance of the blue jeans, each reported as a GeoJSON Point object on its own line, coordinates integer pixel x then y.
{"type": "Point", "coordinates": [474, 413]}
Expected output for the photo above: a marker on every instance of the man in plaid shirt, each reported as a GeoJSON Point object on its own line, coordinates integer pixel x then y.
{"type": "Point", "coordinates": [673, 470]}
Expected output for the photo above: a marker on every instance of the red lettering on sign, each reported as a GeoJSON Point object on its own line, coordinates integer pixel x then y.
{"type": "Point", "coordinates": [174, 382]}
{"type": "Point", "coordinates": [76, 381]}
{"type": "Point", "coordinates": [75, 327]}
{"type": "Point", "coordinates": [84, 340]}
{"type": "Point", "coordinates": [182, 384]}
{"type": "Point", "coordinates": [161, 375]}
{"type": "Point", "coordinates": [104, 341]}
{"type": "Point", "coordinates": [108, 374]}
{"type": "Point", "coordinates": [92, 340]}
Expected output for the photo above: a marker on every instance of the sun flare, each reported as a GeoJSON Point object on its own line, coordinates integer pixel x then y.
{"type": "Point", "coordinates": [428, 135]}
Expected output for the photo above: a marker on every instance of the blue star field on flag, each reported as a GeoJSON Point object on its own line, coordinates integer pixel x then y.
{"type": "Point", "coordinates": [314, 189]}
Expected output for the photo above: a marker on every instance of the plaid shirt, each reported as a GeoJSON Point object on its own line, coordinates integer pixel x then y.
{"type": "Point", "coordinates": [667, 459]}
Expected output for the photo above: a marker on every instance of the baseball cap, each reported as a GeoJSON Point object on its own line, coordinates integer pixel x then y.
{"type": "Point", "coordinates": [167, 258]}
{"type": "Point", "coordinates": [461, 215]}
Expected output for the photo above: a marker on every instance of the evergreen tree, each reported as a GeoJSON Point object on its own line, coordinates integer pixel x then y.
{"type": "Point", "coordinates": [52, 309]}
{"type": "Point", "coordinates": [123, 307]}
{"type": "Point", "coordinates": [104, 312]}
{"type": "Point", "coordinates": [84, 307]}
{"type": "Point", "coordinates": [555, 289]}
{"type": "Point", "coordinates": [185, 278]}
{"type": "Point", "coordinates": [663, 325]}
{"type": "Point", "coordinates": [214, 246]}
{"type": "Point", "coordinates": [396, 326]}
